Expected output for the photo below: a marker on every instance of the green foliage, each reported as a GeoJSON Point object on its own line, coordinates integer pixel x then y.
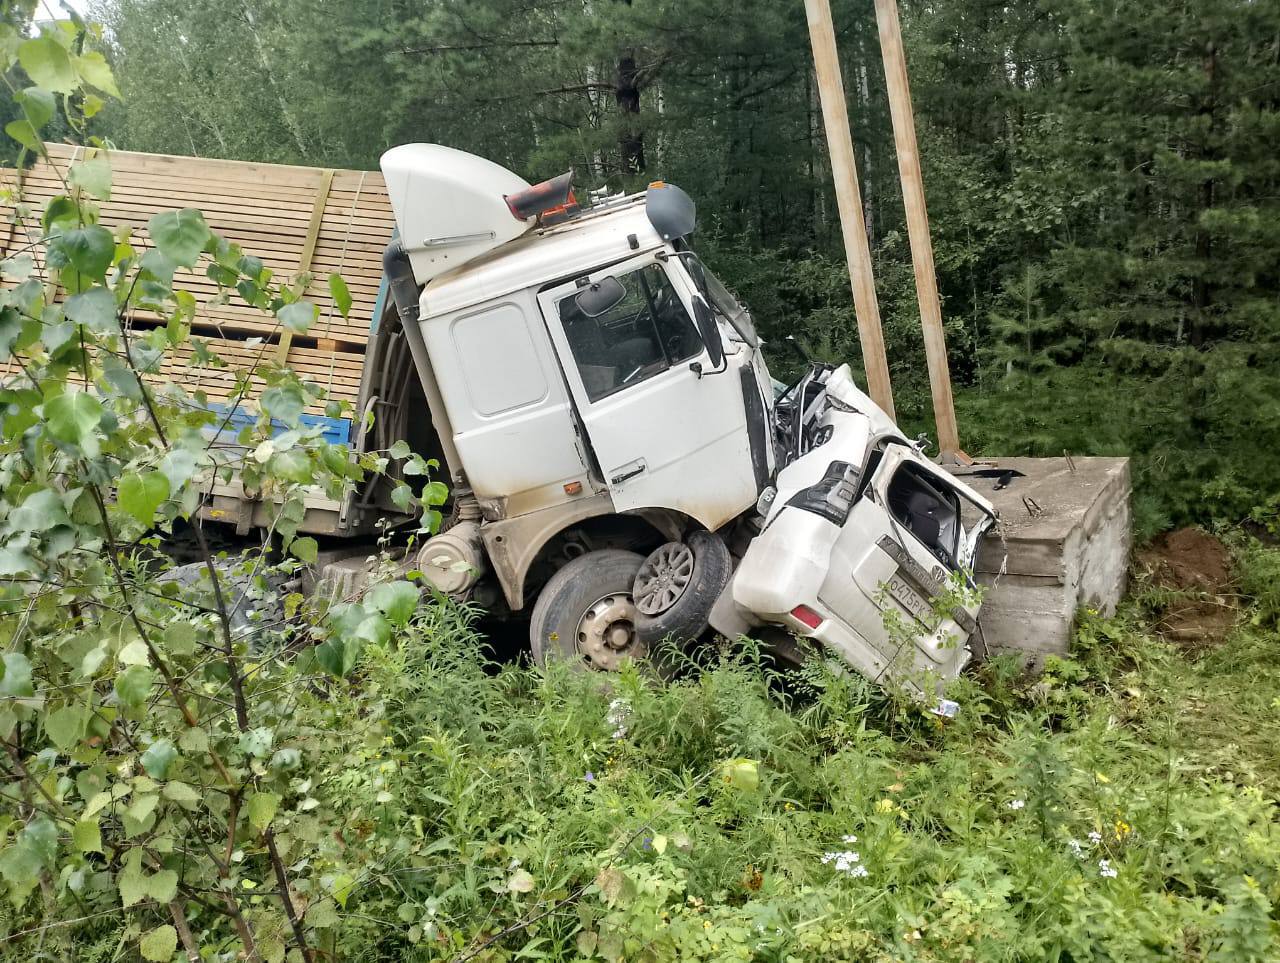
{"type": "Point", "coordinates": [511, 811]}
{"type": "Point", "coordinates": [181, 236]}
{"type": "Point", "coordinates": [1259, 569]}
{"type": "Point", "coordinates": [159, 943]}
{"type": "Point", "coordinates": [152, 753]}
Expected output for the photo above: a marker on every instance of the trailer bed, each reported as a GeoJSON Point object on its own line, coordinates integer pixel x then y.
{"type": "Point", "coordinates": [301, 221]}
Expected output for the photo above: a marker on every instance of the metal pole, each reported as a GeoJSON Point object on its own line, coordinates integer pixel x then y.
{"type": "Point", "coordinates": [835, 118]}
{"type": "Point", "coordinates": [904, 137]}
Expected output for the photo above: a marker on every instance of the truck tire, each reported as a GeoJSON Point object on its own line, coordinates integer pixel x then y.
{"type": "Point", "coordinates": [677, 586]}
{"type": "Point", "coordinates": [252, 619]}
{"type": "Point", "coordinates": [584, 613]}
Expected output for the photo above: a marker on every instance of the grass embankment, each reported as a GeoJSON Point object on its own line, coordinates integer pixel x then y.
{"type": "Point", "coordinates": [1121, 807]}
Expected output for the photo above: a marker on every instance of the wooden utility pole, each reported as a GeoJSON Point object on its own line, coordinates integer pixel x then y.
{"type": "Point", "coordinates": [835, 118]}
{"type": "Point", "coordinates": [904, 138]}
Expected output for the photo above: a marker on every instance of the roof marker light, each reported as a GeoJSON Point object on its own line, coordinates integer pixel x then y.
{"type": "Point", "coordinates": [542, 198]}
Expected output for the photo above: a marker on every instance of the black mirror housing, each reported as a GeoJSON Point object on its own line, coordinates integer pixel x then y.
{"type": "Point", "coordinates": [708, 330]}
{"type": "Point", "coordinates": [599, 297]}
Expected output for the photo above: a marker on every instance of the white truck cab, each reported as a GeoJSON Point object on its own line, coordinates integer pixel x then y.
{"type": "Point", "coordinates": [618, 458]}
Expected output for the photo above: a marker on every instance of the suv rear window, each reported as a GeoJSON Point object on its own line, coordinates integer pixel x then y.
{"type": "Point", "coordinates": [931, 515]}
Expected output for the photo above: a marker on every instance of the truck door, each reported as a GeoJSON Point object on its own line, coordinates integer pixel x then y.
{"type": "Point", "coordinates": [662, 434]}
{"type": "Point", "coordinates": [895, 555]}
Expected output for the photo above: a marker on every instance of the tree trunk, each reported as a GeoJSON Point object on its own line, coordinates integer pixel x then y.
{"type": "Point", "coordinates": [1204, 242]}
{"type": "Point", "coordinates": [627, 96]}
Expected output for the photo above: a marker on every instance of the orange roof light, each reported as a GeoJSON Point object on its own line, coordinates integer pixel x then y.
{"type": "Point", "coordinates": [541, 198]}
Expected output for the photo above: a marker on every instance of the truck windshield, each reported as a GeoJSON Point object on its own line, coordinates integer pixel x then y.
{"type": "Point", "coordinates": [644, 334]}
{"type": "Point", "coordinates": [729, 308]}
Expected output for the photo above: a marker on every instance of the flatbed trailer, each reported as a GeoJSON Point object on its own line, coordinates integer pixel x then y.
{"type": "Point", "coordinates": [302, 222]}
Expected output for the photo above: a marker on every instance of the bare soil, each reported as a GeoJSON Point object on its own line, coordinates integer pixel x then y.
{"type": "Point", "coordinates": [1198, 604]}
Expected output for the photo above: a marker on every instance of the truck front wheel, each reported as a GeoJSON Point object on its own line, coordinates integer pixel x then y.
{"type": "Point", "coordinates": [585, 614]}
{"type": "Point", "coordinates": [677, 586]}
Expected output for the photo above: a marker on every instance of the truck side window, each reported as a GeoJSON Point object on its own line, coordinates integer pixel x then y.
{"type": "Point", "coordinates": [647, 332]}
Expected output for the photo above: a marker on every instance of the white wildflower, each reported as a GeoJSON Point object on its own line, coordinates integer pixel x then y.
{"type": "Point", "coordinates": [1016, 804]}
{"type": "Point", "coordinates": [1095, 837]}
{"type": "Point", "coordinates": [1077, 850]}
{"type": "Point", "coordinates": [1105, 870]}
{"type": "Point", "coordinates": [619, 713]}
{"type": "Point", "coordinates": [846, 861]}
{"type": "Point", "coordinates": [858, 872]}
{"type": "Point", "coordinates": [848, 839]}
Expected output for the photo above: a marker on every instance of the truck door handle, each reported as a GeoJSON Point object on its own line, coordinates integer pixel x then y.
{"type": "Point", "coordinates": [629, 470]}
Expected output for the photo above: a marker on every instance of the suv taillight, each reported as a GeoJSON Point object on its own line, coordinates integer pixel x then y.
{"type": "Point", "coordinates": [832, 497]}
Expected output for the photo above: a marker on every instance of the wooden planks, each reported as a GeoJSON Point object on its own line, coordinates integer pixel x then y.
{"type": "Point", "coordinates": [298, 220]}
{"type": "Point", "coordinates": [335, 371]}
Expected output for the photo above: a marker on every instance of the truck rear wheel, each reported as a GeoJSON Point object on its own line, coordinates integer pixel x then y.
{"type": "Point", "coordinates": [585, 614]}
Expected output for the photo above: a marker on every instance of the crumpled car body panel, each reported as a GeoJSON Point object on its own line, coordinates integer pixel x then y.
{"type": "Point", "coordinates": [888, 586]}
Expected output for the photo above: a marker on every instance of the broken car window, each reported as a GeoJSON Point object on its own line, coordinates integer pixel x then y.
{"type": "Point", "coordinates": [931, 515]}
{"type": "Point", "coordinates": [644, 334]}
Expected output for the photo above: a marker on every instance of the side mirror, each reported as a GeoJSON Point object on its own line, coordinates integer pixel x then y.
{"type": "Point", "coordinates": [709, 331]}
{"type": "Point", "coordinates": [600, 296]}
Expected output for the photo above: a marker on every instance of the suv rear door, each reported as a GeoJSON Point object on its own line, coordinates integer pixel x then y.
{"type": "Point", "coordinates": [893, 570]}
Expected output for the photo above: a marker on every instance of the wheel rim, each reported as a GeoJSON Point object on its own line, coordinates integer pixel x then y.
{"type": "Point", "coordinates": [607, 632]}
{"type": "Point", "coordinates": [663, 578]}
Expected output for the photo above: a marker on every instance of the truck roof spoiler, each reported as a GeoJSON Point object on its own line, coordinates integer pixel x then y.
{"type": "Point", "coordinates": [450, 206]}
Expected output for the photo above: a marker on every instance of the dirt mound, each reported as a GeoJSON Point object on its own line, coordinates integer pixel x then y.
{"type": "Point", "coordinates": [1194, 568]}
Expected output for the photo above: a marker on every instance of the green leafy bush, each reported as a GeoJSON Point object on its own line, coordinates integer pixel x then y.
{"type": "Point", "coordinates": [1259, 568]}
{"type": "Point", "coordinates": [149, 742]}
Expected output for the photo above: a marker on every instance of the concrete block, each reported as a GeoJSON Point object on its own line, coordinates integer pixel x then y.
{"type": "Point", "coordinates": [1063, 543]}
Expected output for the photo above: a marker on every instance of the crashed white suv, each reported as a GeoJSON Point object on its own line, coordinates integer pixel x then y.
{"type": "Point", "coordinates": [867, 546]}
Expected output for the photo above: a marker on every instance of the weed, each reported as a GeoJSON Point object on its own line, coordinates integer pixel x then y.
{"type": "Point", "coordinates": [1120, 807]}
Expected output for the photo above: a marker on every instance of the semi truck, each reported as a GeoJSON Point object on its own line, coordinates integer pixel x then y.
{"type": "Point", "coordinates": [621, 463]}
{"type": "Point", "coordinates": [623, 472]}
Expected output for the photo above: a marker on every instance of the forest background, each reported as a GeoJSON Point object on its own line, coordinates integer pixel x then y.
{"type": "Point", "coordinates": [1102, 178]}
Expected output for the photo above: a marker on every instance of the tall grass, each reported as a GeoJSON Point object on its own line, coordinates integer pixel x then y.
{"type": "Point", "coordinates": [1120, 807]}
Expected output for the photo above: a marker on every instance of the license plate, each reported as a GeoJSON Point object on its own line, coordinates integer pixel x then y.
{"type": "Point", "coordinates": [911, 600]}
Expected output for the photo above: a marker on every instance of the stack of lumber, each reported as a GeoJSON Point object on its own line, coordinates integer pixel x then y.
{"type": "Point", "coordinates": [298, 220]}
